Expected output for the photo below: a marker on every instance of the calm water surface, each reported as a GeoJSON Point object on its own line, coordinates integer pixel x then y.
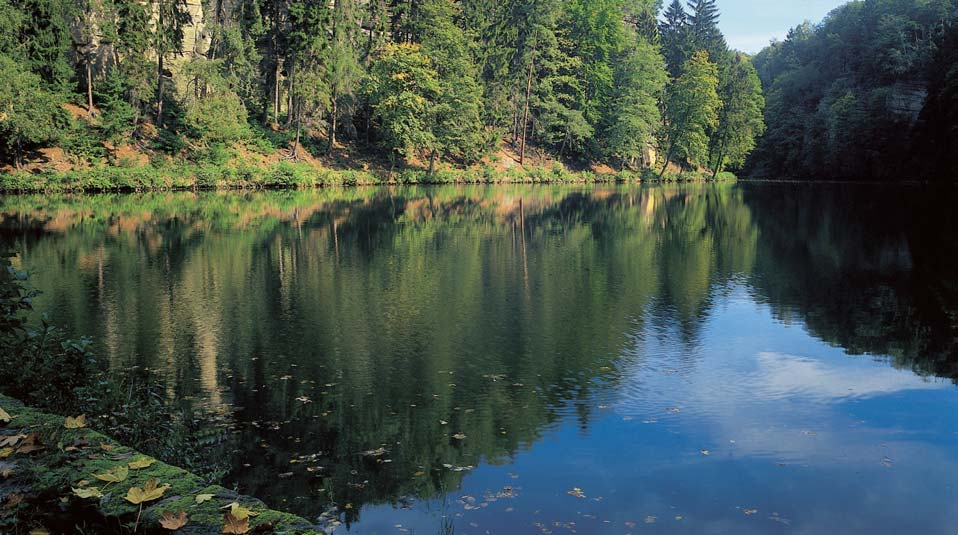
{"type": "Point", "coordinates": [748, 358]}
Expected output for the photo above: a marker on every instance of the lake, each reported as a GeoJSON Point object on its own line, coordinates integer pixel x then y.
{"type": "Point", "coordinates": [706, 358]}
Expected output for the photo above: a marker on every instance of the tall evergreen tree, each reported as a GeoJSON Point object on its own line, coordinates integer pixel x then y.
{"type": "Point", "coordinates": [693, 106]}
{"type": "Point", "coordinates": [676, 35]}
{"type": "Point", "coordinates": [705, 34]}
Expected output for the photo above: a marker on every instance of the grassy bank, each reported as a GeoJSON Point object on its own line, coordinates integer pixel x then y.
{"type": "Point", "coordinates": [301, 175]}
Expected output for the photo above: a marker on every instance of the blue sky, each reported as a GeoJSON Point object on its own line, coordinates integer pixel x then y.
{"type": "Point", "coordinates": [749, 25]}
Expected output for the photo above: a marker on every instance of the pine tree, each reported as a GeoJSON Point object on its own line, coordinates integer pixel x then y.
{"type": "Point", "coordinates": [705, 33]}
{"type": "Point", "coordinates": [692, 110]}
{"type": "Point", "coordinates": [676, 35]}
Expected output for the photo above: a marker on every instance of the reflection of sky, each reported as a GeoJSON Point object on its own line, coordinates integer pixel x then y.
{"type": "Point", "coordinates": [812, 440]}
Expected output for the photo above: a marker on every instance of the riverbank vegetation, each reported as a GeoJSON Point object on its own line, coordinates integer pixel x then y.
{"type": "Point", "coordinates": [870, 92]}
{"type": "Point", "coordinates": [121, 93]}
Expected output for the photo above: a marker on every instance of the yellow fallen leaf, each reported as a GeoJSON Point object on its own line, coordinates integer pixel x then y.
{"type": "Point", "coordinates": [234, 525]}
{"type": "Point", "coordinates": [173, 522]}
{"type": "Point", "coordinates": [91, 492]}
{"type": "Point", "coordinates": [39, 531]}
{"type": "Point", "coordinates": [116, 475]}
{"type": "Point", "coordinates": [148, 493]}
{"type": "Point", "coordinates": [200, 498]}
{"type": "Point", "coordinates": [6, 452]}
{"type": "Point", "coordinates": [139, 464]}
{"type": "Point", "coordinates": [5, 416]}
{"type": "Point", "coordinates": [106, 447]}
{"type": "Point", "coordinates": [239, 511]}
{"type": "Point", "coordinates": [75, 423]}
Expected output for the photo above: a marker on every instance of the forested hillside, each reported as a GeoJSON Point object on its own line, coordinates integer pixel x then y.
{"type": "Point", "coordinates": [870, 92]}
{"type": "Point", "coordinates": [411, 82]}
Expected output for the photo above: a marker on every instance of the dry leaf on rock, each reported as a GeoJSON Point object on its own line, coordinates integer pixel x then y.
{"type": "Point", "coordinates": [172, 521]}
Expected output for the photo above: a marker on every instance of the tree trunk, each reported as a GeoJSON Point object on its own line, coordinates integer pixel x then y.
{"type": "Point", "coordinates": [718, 165]}
{"type": "Point", "coordinates": [299, 126]}
{"type": "Point", "coordinates": [432, 163]}
{"type": "Point", "coordinates": [332, 128]}
{"type": "Point", "coordinates": [159, 91]}
{"type": "Point", "coordinates": [668, 156]}
{"type": "Point", "coordinates": [525, 113]}
{"type": "Point", "coordinates": [276, 93]}
{"type": "Point", "coordinates": [18, 157]}
{"type": "Point", "coordinates": [89, 84]}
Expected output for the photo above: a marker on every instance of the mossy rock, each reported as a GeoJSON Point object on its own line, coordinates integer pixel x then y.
{"type": "Point", "coordinates": [72, 457]}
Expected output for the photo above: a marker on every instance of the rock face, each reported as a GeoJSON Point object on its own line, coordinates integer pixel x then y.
{"type": "Point", "coordinates": [907, 99]}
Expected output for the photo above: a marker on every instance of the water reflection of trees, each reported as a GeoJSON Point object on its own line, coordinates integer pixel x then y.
{"type": "Point", "coordinates": [869, 268]}
{"type": "Point", "coordinates": [495, 310]}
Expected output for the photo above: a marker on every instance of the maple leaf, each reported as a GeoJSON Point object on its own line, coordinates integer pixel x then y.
{"type": "Point", "coordinates": [141, 463]}
{"type": "Point", "coordinates": [148, 493]}
{"type": "Point", "coordinates": [239, 511]}
{"type": "Point", "coordinates": [91, 492]}
{"type": "Point", "coordinates": [116, 475]}
{"type": "Point", "coordinates": [173, 522]}
{"type": "Point", "coordinates": [200, 498]}
{"type": "Point", "coordinates": [31, 444]}
{"type": "Point", "coordinates": [234, 525]}
{"type": "Point", "coordinates": [75, 423]}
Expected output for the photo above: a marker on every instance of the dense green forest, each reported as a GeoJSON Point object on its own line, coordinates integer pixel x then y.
{"type": "Point", "coordinates": [609, 83]}
{"type": "Point", "coordinates": [871, 92]}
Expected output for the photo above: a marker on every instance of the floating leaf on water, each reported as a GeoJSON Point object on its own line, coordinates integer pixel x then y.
{"type": "Point", "coordinates": [750, 512]}
{"type": "Point", "coordinates": [577, 492]}
{"type": "Point", "coordinates": [459, 436]}
{"type": "Point", "coordinates": [705, 452]}
{"type": "Point", "coordinates": [886, 462]}
{"type": "Point", "coordinates": [75, 423]}
{"type": "Point", "coordinates": [200, 498]}
{"type": "Point", "coordinates": [304, 400]}
{"type": "Point", "coordinates": [148, 493]}
{"type": "Point", "coordinates": [234, 525]}
{"type": "Point", "coordinates": [139, 464]}
{"type": "Point", "coordinates": [650, 519]}
{"type": "Point", "coordinates": [89, 492]}
{"type": "Point", "coordinates": [173, 522]}
{"type": "Point", "coordinates": [117, 475]}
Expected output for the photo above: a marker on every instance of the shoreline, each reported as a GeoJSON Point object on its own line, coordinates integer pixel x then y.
{"type": "Point", "coordinates": [288, 175]}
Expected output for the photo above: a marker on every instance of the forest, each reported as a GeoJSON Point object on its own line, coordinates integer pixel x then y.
{"type": "Point", "coordinates": [614, 85]}
{"type": "Point", "coordinates": [869, 93]}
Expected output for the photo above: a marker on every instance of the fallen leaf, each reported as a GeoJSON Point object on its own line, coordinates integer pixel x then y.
{"type": "Point", "coordinates": [238, 526]}
{"type": "Point", "coordinates": [117, 475]}
{"type": "Point", "coordinates": [139, 464]}
{"type": "Point", "coordinates": [75, 423]}
{"type": "Point", "coordinates": [106, 447]}
{"type": "Point", "coordinates": [31, 444]}
{"type": "Point", "coordinates": [200, 498]}
{"type": "Point", "coordinates": [239, 511]}
{"type": "Point", "coordinates": [750, 512]}
{"type": "Point", "coordinates": [459, 436]}
{"type": "Point", "coordinates": [6, 452]}
{"type": "Point", "coordinates": [173, 522]}
{"type": "Point", "coordinates": [90, 492]}
{"type": "Point", "coordinates": [5, 416]}
{"type": "Point", "coordinates": [148, 493]}
{"type": "Point", "coordinates": [39, 531]}
{"type": "Point", "coordinates": [11, 440]}
{"type": "Point", "coordinates": [13, 500]}
{"type": "Point", "coordinates": [577, 492]}
{"type": "Point", "coordinates": [706, 452]}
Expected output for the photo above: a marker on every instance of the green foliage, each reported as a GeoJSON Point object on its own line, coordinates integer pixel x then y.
{"type": "Point", "coordinates": [219, 117]}
{"type": "Point", "coordinates": [741, 121]}
{"type": "Point", "coordinates": [693, 110]}
{"type": "Point", "coordinates": [29, 114]}
{"type": "Point", "coordinates": [403, 89]}
{"type": "Point", "coordinates": [847, 98]}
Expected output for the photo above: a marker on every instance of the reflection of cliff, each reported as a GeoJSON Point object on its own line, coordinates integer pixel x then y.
{"type": "Point", "coordinates": [340, 322]}
{"type": "Point", "coordinates": [864, 267]}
